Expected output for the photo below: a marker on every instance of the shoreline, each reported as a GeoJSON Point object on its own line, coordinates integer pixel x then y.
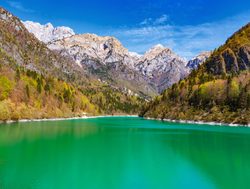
{"type": "Point", "coordinates": [63, 119]}
{"type": "Point", "coordinates": [146, 118]}
{"type": "Point", "coordinates": [198, 122]}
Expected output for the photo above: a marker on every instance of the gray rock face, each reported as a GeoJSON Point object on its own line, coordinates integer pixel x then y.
{"type": "Point", "coordinates": [244, 57]}
{"type": "Point", "coordinates": [230, 61]}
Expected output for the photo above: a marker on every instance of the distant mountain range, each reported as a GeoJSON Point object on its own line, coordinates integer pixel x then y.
{"type": "Point", "coordinates": [107, 59]}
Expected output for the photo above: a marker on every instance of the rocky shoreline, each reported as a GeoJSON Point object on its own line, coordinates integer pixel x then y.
{"type": "Point", "coordinates": [199, 122]}
{"type": "Point", "coordinates": [62, 119]}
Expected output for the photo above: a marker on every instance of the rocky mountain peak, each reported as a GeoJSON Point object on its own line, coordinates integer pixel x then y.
{"type": "Point", "coordinates": [162, 66]}
{"type": "Point", "coordinates": [5, 15]}
{"type": "Point", "coordinates": [199, 59]}
{"type": "Point", "coordinates": [163, 54]}
{"type": "Point", "coordinates": [12, 21]}
{"type": "Point", "coordinates": [155, 51]}
{"type": "Point", "coordinates": [158, 47]}
{"type": "Point", "coordinates": [47, 33]}
{"type": "Point", "coordinates": [48, 25]}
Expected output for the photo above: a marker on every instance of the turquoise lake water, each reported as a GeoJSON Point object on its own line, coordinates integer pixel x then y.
{"type": "Point", "coordinates": [123, 153]}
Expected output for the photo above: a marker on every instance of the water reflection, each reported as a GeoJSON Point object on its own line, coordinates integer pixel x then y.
{"type": "Point", "coordinates": [32, 131]}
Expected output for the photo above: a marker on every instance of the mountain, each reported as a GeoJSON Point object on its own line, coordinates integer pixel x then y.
{"type": "Point", "coordinates": [197, 60]}
{"type": "Point", "coordinates": [219, 90]}
{"type": "Point", "coordinates": [47, 33]}
{"type": "Point", "coordinates": [108, 60]}
{"type": "Point", "coordinates": [162, 67]}
{"type": "Point", "coordinates": [36, 82]}
{"type": "Point", "coordinates": [105, 58]}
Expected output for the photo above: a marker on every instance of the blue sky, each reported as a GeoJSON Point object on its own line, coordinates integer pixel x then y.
{"type": "Point", "coordinates": [186, 26]}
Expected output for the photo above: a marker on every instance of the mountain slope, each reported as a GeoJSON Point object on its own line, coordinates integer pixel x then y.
{"type": "Point", "coordinates": [27, 51]}
{"type": "Point", "coordinates": [218, 91]}
{"type": "Point", "coordinates": [36, 82]}
{"type": "Point", "coordinates": [232, 57]}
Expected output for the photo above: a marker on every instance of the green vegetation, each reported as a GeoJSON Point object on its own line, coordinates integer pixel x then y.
{"type": "Point", "coordinates": [112, 101]}
{"type": "Point", "coordinates": [223, 100]}
{"type": "Point", "coordinates": [5, 87]}
{"type": "Point", "coordinates": [30, 97]}
{"type": "Point", "coordinates": [25, 94]}
{"type": "Point", "coordinates": [214, 92]}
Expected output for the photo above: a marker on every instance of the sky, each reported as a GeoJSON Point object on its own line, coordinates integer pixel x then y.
{"type": "Point", "coordinates": [188, 27]}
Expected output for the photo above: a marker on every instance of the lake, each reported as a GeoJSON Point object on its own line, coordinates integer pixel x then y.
{"type": "Point", "coordinates": [123, 153]}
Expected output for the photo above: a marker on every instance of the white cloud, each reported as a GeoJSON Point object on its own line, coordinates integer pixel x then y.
{"type": "Point", "coordinates": [187, 41]}
{"type": "Point", "coordinates": [146, 21]}
{"type": "Point", "coordinates": [158, 21]}
{"type": "Point", "coordinates": [18, 6]}
{"type": "Point", "coordinates": [162, 20]}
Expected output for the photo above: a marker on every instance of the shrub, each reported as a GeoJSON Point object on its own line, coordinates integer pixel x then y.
{"type": "Point", "coordinates": [5, 87]}
{"type": "Point", "coordinates": [5, 110]}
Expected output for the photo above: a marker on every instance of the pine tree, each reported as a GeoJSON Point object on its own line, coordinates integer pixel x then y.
{"type": "Point", "coordinates": [39, 85]}
{"type": "Point", "coordinates": [18, 75]}
{"type": "Point", "coordinates": [27, 89]}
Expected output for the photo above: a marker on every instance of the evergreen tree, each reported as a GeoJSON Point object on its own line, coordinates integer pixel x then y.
{"type": "Point", "coordinates": [39, 85]}
{"type": "Point", "coordinates": [27, 89]}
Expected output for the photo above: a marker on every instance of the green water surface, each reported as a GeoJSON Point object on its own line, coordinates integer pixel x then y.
{"type": "Point", "coordinates": [123, 153]}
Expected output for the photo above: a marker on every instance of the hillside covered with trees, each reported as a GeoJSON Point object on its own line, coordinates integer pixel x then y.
{"type": "Point", "coordinates": [218, 91]}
